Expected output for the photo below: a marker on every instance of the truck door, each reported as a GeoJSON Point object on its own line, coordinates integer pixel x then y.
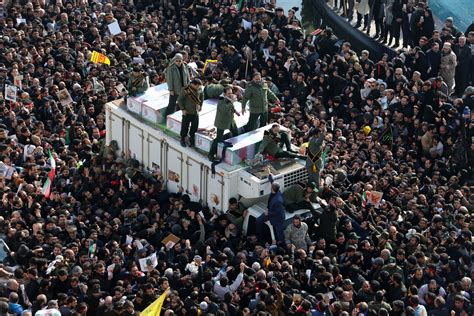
{"type": "Point", "coordinates": [194, 179]}
{"type": "Point", "coordinates": [116, 130]}
{"type": "Point", "coordinates": [174, 168]}
{"type": "Point", "coordinates": [215, 190]}
{"type": "Point", "coordinates": [135, 142]}
{"type": "Point", "coordinates": [153, 153]}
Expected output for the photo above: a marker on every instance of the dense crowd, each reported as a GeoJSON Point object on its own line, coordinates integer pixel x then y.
{"type": "Point", "coordinates": [390, 124]}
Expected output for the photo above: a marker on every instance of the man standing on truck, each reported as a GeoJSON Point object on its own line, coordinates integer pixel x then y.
{"type": "Point", "coordinates": [177, 77]}
{"type": "Point", "coordinates": [273, 141]}
{"type": "Point", "coordinates": [224, 119]}
{"type": "Point", "coordinates": [190, 102]}
{"type": "Point", "coordinates": [258, 95]}
{"type": "Point", "coordinates": [275, 213]}
{"type": "Point", "coordinates": [314, 160]}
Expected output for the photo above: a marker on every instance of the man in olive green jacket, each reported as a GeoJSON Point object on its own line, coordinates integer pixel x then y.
{"type": "Point", "coordinates": [298, 198]}
{"type": "Point", "coordinates": [190, 102]}
{"type": "Point", "coordinates": [177, 77]}
{"type": "Point", "coordinates": [271, 144]}
{"type": "Point", "coordinates": [137, 81]}
{"type": "Point", "coordinates": [215, 90]}
{"type": "Point", "coordinates": [258, 95]}
{"type": "Point", "coordinates": [224, 119]}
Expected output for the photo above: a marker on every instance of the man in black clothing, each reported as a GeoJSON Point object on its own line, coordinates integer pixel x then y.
{"type": "Point", "coordinates": [397, 11]}
{"type": "Point", "coordinates": [32, 287]}
{"type": "Point", "coordinates": [464, 56]}
{"type": "Point", "coordinates": [327, 44]}
{"type": "Point", "coordinates": [434, 60]}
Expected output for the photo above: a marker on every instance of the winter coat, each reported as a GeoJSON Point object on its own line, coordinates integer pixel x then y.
{"type": "Point", "coordinates": [276, 210]}
{"type": "Point", "coordinates": [434, 61]}
{"type": "Point", "coordinates": [269, 145]}
{"type": "Point", "coordinates": [448, 66]}
{"type": "Point", "coordinates": [186, 103]}
{"type": "Point", "coordinates": [389, 12]}
{"type": "Point", "coordinates": [258, 97]}
{"type": "Point", "coordinates": [378, 9]}
{"type": "Point", "coordinates": [213, 91]}
{"type": "Point", "coordinates": [464, 56]}
{"type": "Point", "coordinates": [327, 225]}
{"type": "Point", "coordinates": [295, 194]}
{"type": "Point", "coordinates": [225, 114]}
{"type": "Point", "coordinates": [173, 78]}
{"type": "Point", "coordinates": [298, 236]}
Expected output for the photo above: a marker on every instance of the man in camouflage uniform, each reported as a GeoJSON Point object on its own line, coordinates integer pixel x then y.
{"type": "Point", "coordinates": [296, 234]}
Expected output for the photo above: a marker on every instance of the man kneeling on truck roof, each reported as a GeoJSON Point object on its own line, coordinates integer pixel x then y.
{"type": "Point", "coordinates": [298, 198]}
{"type": "Point", "coordinates": [273, 141]}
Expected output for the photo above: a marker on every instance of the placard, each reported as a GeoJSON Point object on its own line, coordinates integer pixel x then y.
{"type": "Point", "coordinates": [148, 261]}
{"type": "Point", "coordinates": [19, 21]}
{"type": "Point", "coordinates": [114, 28]}
{"type": "Point", "coordinates": [17, 81]}
{"type": "Point", "coordinates": [170, 241]}
{"type": "Point", "coordinates": [64, 97]}
{"type": "Point", "coordinates": [10, 93]}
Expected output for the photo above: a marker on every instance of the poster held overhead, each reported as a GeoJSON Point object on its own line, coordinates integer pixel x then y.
{"type": "Point", "coordinates": [114, 28]}
{"type": "Point", "coordinates": [10, 93]}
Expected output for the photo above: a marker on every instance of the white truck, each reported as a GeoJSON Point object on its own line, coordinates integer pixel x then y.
{"type": "Point", "coordinates": [158, 149]}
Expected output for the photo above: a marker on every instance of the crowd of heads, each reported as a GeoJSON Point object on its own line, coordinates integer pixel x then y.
{"type": "Point", "coordinates": [78, 247]}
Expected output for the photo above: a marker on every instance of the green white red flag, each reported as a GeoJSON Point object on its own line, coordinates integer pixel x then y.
{"type": "Point", "coordinates": [46, 190]}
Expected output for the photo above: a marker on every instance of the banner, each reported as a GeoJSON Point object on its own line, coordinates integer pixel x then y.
{"type": "Point", "coordinates": [209, 61]}
{"type": "Point", "coordinates": [99, 58]}
{"type": "Point", "coordinates": [387, 137]}
{"type": "Point", "coordinates": [372, 197]}
{"type": "Point", "coordinates": [154, 309]}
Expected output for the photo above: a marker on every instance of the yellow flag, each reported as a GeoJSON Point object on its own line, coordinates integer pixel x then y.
{"type": "Point", "coordinates": [154, 309]}
{"type": "Point", "coordinates": [302, 150]}
{"type": "Point", "coordinates": [99, 58]}
{"type": "Point", "coordinates": [213, 61]}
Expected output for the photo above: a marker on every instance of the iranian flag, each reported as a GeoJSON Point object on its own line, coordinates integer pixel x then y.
{"type": "Point", "coordinates": [46, 191]}
{"type": "Point", "coordinates": [365, 198]}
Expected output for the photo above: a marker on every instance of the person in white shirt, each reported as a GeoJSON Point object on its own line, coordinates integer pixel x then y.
{"type": "Point", "coordinates": [222, 287]}
{"type": "Point", "coordinates": [433, 287]}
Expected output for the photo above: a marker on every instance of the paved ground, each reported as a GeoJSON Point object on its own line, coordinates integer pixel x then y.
{"type": "Point", "coordinates": [461, 10]}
